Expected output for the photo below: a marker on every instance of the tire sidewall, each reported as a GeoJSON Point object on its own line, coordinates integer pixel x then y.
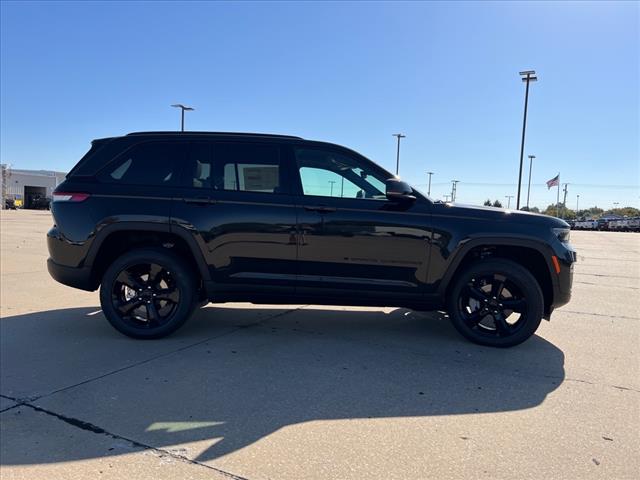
{"type": "Point", "coordinates": [182, 276]}
{"type": "Point", "coordinates": [515, 273]}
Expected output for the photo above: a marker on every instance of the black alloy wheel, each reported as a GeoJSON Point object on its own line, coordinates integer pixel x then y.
{"type": "Point", "coordinates": [145, 295]}
{"type": "Point", "coordinates": [497, 303]}
{"type": "Point", "coordinates": [148, 293]}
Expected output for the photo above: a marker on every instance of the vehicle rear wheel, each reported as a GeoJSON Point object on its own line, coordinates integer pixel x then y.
{"type": "Point", "coordinates": [496, 303]}
{"type": "Point", "coordinates": [148, 293]}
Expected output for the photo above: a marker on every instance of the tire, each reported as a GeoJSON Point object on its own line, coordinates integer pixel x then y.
{"type": "Point", "coordinates": [504, 319]}
{"type": "Point", "coordinates": [148, 293]}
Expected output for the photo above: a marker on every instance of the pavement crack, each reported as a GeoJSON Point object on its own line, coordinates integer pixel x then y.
{"type": "Point", "coordinates": [587, 382]}
{"type": "Point", "coordinates": [166, 354]}
{"type": "Point", "coordinates": [596, 314]}
{"type": "Point", "coordinates": [617, 286]}
{"type": "Point", "coordinates": [90, 427]}
{"type": "Point", "coordinates": [606, 275]}
{"type": "Point", "coordinates": [10, 408]}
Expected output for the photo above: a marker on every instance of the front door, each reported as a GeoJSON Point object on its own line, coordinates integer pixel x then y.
{"type": "Point", "coordinates": [353, 242]}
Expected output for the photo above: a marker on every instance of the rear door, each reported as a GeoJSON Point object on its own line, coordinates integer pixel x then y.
{"type": "Point", "coordinates": [235, 199]}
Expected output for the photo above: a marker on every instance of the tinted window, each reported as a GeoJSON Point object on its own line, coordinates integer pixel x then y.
{"type": "Point", "coordinates": [330, 174]}
{"type": "Point", "coordinates": [236, 167]}
{"type": "Point", "coordinates": [201, 166]}
{"type": "Point", "coordinates": [152, 163]}
{"type": "Point", "coordinates": [247, 167]}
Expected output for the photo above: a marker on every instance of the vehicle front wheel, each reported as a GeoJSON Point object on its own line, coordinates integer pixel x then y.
{"type": "Point", "coordinates": [148, 293]}
{"type": "Point", "coordinates": [496, 303]}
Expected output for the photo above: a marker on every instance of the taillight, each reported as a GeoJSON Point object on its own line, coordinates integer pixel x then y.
{"type": "Point", "coordinates": [70, 197]}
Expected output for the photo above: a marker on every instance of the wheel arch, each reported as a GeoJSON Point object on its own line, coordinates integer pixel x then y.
{"type": "Point", "coordinates": [113, 240]}
{"type": "Point", "coordinates": [532, 255]}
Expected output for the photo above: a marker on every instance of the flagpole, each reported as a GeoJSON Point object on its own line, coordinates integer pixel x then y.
{"type": "Point", "coordinates": [558, 198]}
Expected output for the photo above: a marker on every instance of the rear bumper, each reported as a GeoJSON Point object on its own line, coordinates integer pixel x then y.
{"type": "Point", "coordinates": [77, 277]}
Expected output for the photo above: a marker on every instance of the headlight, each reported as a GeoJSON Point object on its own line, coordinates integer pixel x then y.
{"type": "Point", "coordinates": [563, 234]}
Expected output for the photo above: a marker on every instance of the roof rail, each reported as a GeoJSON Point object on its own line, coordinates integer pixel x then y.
{"type": "Point", "coordinates": [239, 134]}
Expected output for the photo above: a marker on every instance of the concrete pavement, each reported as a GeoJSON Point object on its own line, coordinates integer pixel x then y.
{"type": "Point", "coordinates": [250, 391]}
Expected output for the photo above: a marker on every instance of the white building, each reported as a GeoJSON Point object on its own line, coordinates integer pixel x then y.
{"type": "Point", "coordinates": [25, 185]}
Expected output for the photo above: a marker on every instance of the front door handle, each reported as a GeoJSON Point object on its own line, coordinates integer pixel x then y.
{"type": "Point", "coordinates": [319, 208]}
{"type": "Point", "coordinates": [199, 200]}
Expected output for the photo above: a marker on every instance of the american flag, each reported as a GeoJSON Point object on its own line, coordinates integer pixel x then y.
{"type": "Point", "coordinates": [553, 182]}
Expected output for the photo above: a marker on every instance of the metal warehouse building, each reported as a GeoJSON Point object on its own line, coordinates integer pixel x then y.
{"type": "Point", "coordinates": [25, 185]}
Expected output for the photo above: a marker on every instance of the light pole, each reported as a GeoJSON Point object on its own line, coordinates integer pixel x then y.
{"type": "Point", "coordinates": [527, 77]}
{"type": "Point", "coordinates": [446, 198]}
{"type": "Point", "coordinates": [577, 204]}
{"type": "Point", "coordinates": [508, 197]}
{"type": "Point", "coordinates": [531, 157]}
{"type": "Point", "coordinates": [429, 189]}
{"type": "Point", "coordinates": [399, 135]}
{"type": "Point", "coordinates": [331, 182]}
{"type": "Point", "coordinates": [564, 199]}
{"type": "Point", "coordinates": [615, 205]}
{"type": "Point", "coordinates": [182, 108]}
{"type": "Point", "coordinates": [454, 189]}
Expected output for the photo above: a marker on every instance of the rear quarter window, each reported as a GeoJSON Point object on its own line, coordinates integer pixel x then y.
{"type": "Point", "coordinates": [150, 163]}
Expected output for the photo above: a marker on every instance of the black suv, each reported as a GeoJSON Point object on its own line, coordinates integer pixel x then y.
{"type": "Point", "coordinates": [163, 221]}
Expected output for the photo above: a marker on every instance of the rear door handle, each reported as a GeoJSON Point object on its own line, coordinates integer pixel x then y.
{"type": "Point", "coordinates": [319, 208]}
{"type": "Point", "coordinates": [199, 200]}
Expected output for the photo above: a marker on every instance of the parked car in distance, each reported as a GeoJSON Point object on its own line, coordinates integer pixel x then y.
{"type": "Point", "coordinates": [161, 221]}
{"type": "Point", "coordinates": [40, 202]}
{"type": "Point", "coordinates": [585, 225]}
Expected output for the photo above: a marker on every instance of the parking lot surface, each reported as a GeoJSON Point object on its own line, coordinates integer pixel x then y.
{"type": "Point", "coordinates": [303, 391]}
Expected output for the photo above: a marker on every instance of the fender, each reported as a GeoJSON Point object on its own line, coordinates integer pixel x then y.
{"type": "Point", "coordinates": [161, 227]}
{"type": "Point", "coordinates": [473, 241]}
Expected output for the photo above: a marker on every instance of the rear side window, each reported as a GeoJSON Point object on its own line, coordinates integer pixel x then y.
{"type": "Point", "coordinates": [151, 163]}
{"type": "Point", "coordinates": [236, 167]}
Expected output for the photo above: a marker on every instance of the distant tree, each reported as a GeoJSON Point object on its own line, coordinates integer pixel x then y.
{"type": "Point", "coordinates": [565, 213]}
{"type": "Point", "coordinates": [497, 204]}
{"type": "Point", "coordinates": [552, 210]}
{"type": "Point", "coordinates": [525, 209]}
{"type": "Point", "coordinates": [593, 213]}
{"type": "Point", "coordinates": [623, 212]}
{"type": "Point", "coordinates": [487, 202]}
{"type": "Point", "coordinates": [534, 210]}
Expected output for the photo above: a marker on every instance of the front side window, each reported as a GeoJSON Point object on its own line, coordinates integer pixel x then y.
{"type": "Point", "coordinates": [325, 173]}
{"type": "Point", "coordinates": [150, 163]}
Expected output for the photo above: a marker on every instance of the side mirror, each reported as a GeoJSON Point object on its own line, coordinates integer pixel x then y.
{"type": "Point", "coordinates": [399, 191]}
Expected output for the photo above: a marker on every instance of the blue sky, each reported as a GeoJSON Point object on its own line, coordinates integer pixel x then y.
{"type": "Point", "coordinates": [444, 74]}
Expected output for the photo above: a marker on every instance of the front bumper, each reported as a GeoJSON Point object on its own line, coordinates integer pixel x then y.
{"type": "Point", "coordinates": [563, 280]}
{"type": "Point", "coordinates": [77, 277]}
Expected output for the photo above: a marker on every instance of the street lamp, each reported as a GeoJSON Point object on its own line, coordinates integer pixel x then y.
{"type": "Point", "coordinates": [577, 204]}
{"type": "Point", "coordinates": [527, 77]}
{"type": "Point", "coordinates": [331, 182]}
{"type": "Point", "coordinates": [531, 157]}
{"type": "Point", "coordinates": [429, 189]}
{"type": "Point", "coordinates": [399, 135]}
{"type": "Point", "coordinates": [182, 108]}
{"type": "Point", "coordinates": [508, 197]}
{"type": "Point", "coordinates": [454, 189]}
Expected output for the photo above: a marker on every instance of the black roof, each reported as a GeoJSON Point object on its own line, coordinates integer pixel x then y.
{"type": "Point", "coordinates": [226, 134]}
